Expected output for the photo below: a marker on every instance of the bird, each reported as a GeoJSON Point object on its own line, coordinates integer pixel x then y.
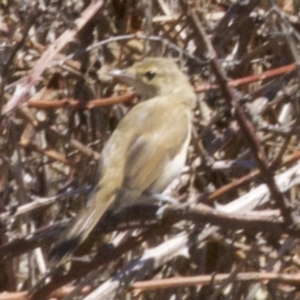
{"type": "Point", "coordinates": [145, 152]}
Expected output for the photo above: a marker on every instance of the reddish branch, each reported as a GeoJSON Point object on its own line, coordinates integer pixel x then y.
{"type": "Point", "coordinates": [58, 294]}
{"type": "Point", "coordinates": [179, 282]}
{"type": "Point", "coordinates": [73, 103]}
{"type": "Point", "coordinates": [249, 79]}
{"type": "Point", "coordinates": [249, 178]}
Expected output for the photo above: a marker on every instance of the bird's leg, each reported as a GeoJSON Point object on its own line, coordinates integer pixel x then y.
{"type": "Point", "coordinates": [164, 198]}
{"type": "Point", "coordinates": [149, 197]}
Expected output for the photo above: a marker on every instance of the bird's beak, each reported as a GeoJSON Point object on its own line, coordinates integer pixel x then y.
{"type": "Point", "coordinates": [122, 75]}
{"type": "Point", "coordinates": [116, 72]}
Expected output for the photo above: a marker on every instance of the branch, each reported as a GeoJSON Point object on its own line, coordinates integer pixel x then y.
{"type": "Point", "coordinates": [40, 66]}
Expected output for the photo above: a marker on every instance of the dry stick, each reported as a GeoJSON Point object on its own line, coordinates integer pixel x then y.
{"type": "Point", "coordinates": [72, 103]}
{"type": "Point", "coordinates": [249, 79]}
{"type": "Point", "coordinates": [58, 294]}
{"type": "Point", "coordinates": [249, 177]}
{"type": "Point", "coordinates": [153, 38]}
{"type": "Point", "coordinates": [198, 214]}
{"type": "Point", "coordinates": [51, 153]}
{"type": "Point", "coordinates": [245, 125]}
{"type": "Point", "coordinates": [14, 296]}
{"type": "Point", "coordinates": [76, 144]}
{"type": "Point", "coordinates": [215, 279]}
{"type": "Point", "coordinates": [47, 57]}
{"type": "Point", "coordinates": [179, 282]}
{"type": "Point", "coordinates": [38, 202]}
{"type": "Point", "coordinates": [137, 269]}
{"type": "Point", "coordinates": [278, 159]}
{"type": "Point", "coordinates": [8, 63]}
{"type": "Point", "coordinates": [105, 254]}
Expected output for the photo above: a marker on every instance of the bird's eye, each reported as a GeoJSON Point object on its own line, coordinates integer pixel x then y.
{"type": "Point", "coordinates": [150, 75]}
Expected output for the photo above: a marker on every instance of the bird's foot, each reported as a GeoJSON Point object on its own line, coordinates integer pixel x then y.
{"type": "Point", "coordinates": [165, 199]}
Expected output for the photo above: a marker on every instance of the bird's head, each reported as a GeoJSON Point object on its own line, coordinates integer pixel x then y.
{"type": "Point", "coordinates": [153, 77]}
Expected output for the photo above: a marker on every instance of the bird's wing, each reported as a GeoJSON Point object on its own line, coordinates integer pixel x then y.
{"type": "Point", "coordinates": [157, 142]}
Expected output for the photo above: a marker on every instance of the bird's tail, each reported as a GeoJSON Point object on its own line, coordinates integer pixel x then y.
{"type": "Point", "coordinates": [81, 226]}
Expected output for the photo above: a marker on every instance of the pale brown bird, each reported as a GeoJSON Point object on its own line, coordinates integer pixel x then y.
{"type": "Point", "coordinates": [146, 151]}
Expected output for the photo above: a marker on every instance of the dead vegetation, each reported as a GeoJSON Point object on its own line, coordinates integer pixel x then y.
{"type": "Point", "coordinates": [235, 233]}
